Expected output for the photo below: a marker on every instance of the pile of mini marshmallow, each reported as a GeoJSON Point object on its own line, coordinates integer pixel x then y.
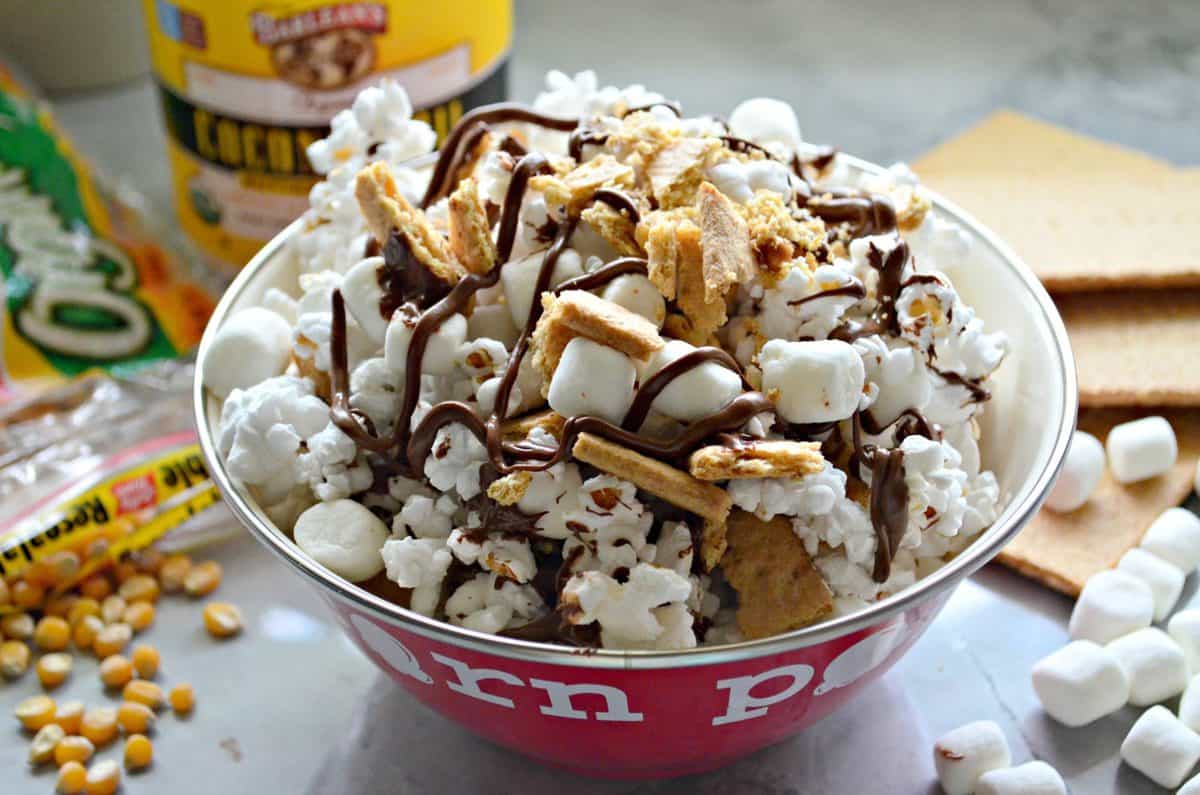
{"type": "Point", "coordinates": [1115, 656]}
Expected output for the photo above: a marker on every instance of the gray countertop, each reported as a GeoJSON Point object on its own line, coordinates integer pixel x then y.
{"type": "Point", "coordinates": [291, 707]}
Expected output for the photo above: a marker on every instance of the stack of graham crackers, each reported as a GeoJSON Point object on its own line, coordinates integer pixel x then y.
{"type": "Point", "coordinates": [1115, 237]}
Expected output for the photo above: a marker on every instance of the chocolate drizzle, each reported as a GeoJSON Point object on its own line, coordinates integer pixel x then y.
{"type": "Point", "coordinates": [581, 137]}
{"type": "Point", "coordinates": [621, 202]}
{"type": "Point", "coordinates": [889, 508]}
{"type": "Point", "coordinates": [853, 290]}
{"type": "Point", "coordinates": [871, 214]}
{"type": "Point", "coordinates": [404, 278]}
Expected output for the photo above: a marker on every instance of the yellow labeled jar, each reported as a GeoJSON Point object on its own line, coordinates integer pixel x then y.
{"type": "Point", "coordinates": [247, 85]}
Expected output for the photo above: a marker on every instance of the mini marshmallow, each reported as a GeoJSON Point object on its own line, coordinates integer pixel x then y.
{"type": "Point", "coordinates": [1175, 537]}
{"type": "Point", "coordinates": [1189, 705]}
{"type": "Point", "coordinates": [1184, 628]}
{"type": "Point", "coordinates": [1160, 747]}
{"type": "Point", "coordinates": [1080, 474]}
{"type": "Point", "coordinates": [1080, 683]}
{"type": "Point", "coordinates": [963, 755]}
{"type": "Point", "coordinates": [1192, 787]}
{"type": "Point", "coordinates": [766, 121]}
{"type": "Point", "coordinates": [1165, 581]}
{"type": "Point", "coordinates": [592, 379]}
{"type": "Point", "coordinates": [440, 350]}
{"type": "Point", "coordinates": [819, 381]}
{"type": "Point", "coordinates": [363, 296]}
{"type": "Point", "coordinates": [1141, 449]}
{"type": "Point", "coordinates": [1031, 778]}
{"type": "Point", "coordinates": [344, 537]}
{"type": "Point", "coordinates": [1154, 663]}
{"type": "Point", "coordinates": [519, 280]}
{"type": "Point", "coordinates": [699, 392]}
{"type": "Point", "coordinates": [493, 321]}
{"type": "Point", "coordinates": [638, 294]}
{"type": "Point", "coordinates": [1112, 604]}
{"type": "Point", "coordinates": [254, 345]}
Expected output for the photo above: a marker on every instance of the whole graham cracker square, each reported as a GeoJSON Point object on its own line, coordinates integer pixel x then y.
{"type": "Point", "coordinates": [1063, 550]}
{"type": "Point", "coordinates": [1084, 214]}
{"type": "Point", "coordinates": [1135, 348]}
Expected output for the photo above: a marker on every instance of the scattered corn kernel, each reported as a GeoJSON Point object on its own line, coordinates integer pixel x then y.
{"type": "Point", "coordinates": [124, 570]}
{"type": "Point", "coordinates": [103, 778]}
{"type": "Point", "coordinates": [148, 560]}
{"type": "Point", "coordinates": [14, 658]}
{"type": "Point", "coordinates": [73, 749]}
{"type": "Point", "coordinates": [112, 608]}
{"type": "Point", "coordinates": [69, 715]}
{"type": "Point", "coordinates": [139, 752]}
{"type": "Point", "coordinates": [96, 587]}
{"type": "Point", "coordinates": [49, 572]}
{"type": "Point", "coordinates": [17, 626]}
{"type": "Point", "coordinates": [52, 634]}
{"type": "Point", "coordinates": [146, 661]}
{"type": "Point", "coordinates": [99, 725]}
{"type": "Point", "coordinates": [5, 594]}
{"type": "Point", "coordinates": [182, 698]}
{"type": "Point", "coordinates": [222, 619]}
{"type": "Point", "coordinates": [143, 692]}
{"type": "Point", "coordinates": [26, 595]}
{"type": "Point", "coordinates": [85, 632]}
{"type": "Point", "coordinates": [85, 606]}
{"type": "Point", "coordinates": [203, 578]}
{"type": "Point", "coordinates": [72, 778]}
{"type": "Point", "coordinates": [139, 616]}
{"type": "Point", "coordinates": [112, 639]}
{"type": "Point", "coordinates": [35, 712]}
{"type": "Point", "coordinates": [53, 669]}
{"type": "Point", "coordinates": [60, 605]}
{"type": "Point", "coordinates": [173, 572]}
{"type": "Point", "coordinates": [139, 588]}
{"type": "Point", "coordinates": [41, 750]}
{"type": "Point", "coordinates": [116, 671]}
{"type": "Point", "coordinates": [135, 718]}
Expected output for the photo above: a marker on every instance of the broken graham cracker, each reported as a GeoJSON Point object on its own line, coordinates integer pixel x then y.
{"type": "Point", "coordinates": [576, 188]}
{"type": "Point", "coordinates": [577, 313]}
{"type": "Point", "coordinates": [470, 233]}
{"type": "Point", "coordinates": [615, 227]}
{"type": "Point", "coordinates": [757, 459]}
{"type": "Point", "coordinates": [1084, 214]}
{"type": "Point", "coordinates": [387, 211]}
{"type": "Point", "coordinates": [668, 236]}
{"type": "Point", "coordinates": [509, 489]}
{"type": "Point", "coordinates": [1063, 550]}
{"type": "Point", "coordinates": [778, 587]}
{"type": "Point", "coordinates": [1135, 348]}
{"type": "Point", "coordinates": [710, 503]}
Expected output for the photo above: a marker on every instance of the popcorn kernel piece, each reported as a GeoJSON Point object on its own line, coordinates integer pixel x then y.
{"type": "Point", "coordinates": [778, 587]}
{"type": "Point", "coordinates": [757, 459]}
{"type": "Point", "coordinates": [470, 233]}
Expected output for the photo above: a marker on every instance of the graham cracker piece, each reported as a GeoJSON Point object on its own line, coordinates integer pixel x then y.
{"type": "Point", "coordinates": [1085, 215]}
{"type": "Point", "coordinates": [1135, 348]}
{"type": "Point", "coordinates": [710, 503]}
{"type": "Point", "coordinates": [470, 233]}
{"type": "Point", "coordinates": [669, 236]}
{"type": "Point", "coordinates": [1062, 550]}
{"type": "Point", "coordinates": [509, 489]}
{"type": "Point", "coordinates": [776, 236]}
{"type": "Point", "coordinates": [386, 210]}
{"type": "Point", "coordinates": [677, 170]}
{"type": "Point", "coordinates": [778, 587]}
{"type": "Point", "coordinates": [577, 313]}
{"type": "Point", "coordinates": [516, 429]}
{"type": "Point", "coordinates": [757, 459]}
{"type": "Point", "coordinates": [724, 244]}
{"type": "Point", "coordinates": [575, 189]}
{"type": "Point", "coordinates": [615, 227]}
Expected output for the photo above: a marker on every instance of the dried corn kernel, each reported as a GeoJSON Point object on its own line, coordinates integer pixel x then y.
{"type": "Point", "coordinates": [173, 572]}
{"type": "Point", "coordinates": [73, 749]}
{"type": "Point", "coordinates": [139, 752]}
{"type": "Point", "coordinates": [5, 594]}
{"type": "Point", "coordinates": [84, 606]}
{"type": "Point", "coordinates": [35, 712]}
{"type": "Point", "coordinates": [27, 595]}
{"type": "Point", "coordinates": [17, 626]}
{"type": "Point", "coordinates": [52, 634]}
{"type": "Point", "coordinates": [103, 778]}
{"type": "Point", "coordinates": [116, 671]}
{"type": "Point", "coordinates": [53, 669]}
{"type": "Point", "coordinates": [139, 588]}
{"type": "Point", "coordinates": [41, 750]}
{"type": "Point", "coordinates": [202, 579]}
{"type": "Point", "coordinates": [96, 587]}
{"type": "Point", "coordinates": [72, 778]}
{"type": "Point", "coordinates": [135, 718]}
{"type": "Point", "coordinates": [60, 605]}
{"type": "Point", "coordinates": [143, 692]}
{"type": "Point", "coordinates": [85, 632]}
{"type": "Point", "coordinates": [99, 725]}
{"type": "Point", "coordinates": [145, 661]}
{"type": "Point", "coordinates": [14, 658]}
{"type": "Point", "coordinates": [139, 616]}
{"type": "Point", "coordinates": [124, 571]}
{"type": "Point", "coordinates": [112, 639]}
{"type": "Point", "coordinates": [222, 619]}
{"type": "Point", "coordinates": [57, 568]}
{"type": "Point", "coordinates": [182, 698]}
{"type": "Point", "coordinates": [69, 715]}
{"type": "Point", "coordinates": [112, 608]}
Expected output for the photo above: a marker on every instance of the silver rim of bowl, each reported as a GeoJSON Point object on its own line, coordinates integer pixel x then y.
{"type": "Point", "coordinates": [1015, 515]}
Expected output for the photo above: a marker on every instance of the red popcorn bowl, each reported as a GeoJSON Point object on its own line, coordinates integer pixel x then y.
{"type": "Point", "coordinates": [642, 714]}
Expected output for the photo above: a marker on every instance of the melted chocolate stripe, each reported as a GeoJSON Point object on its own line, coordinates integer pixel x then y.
{"type": "Point", "coordinates": [654, 386]}
{"type": "Point", "coordinates": [621, 202]}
